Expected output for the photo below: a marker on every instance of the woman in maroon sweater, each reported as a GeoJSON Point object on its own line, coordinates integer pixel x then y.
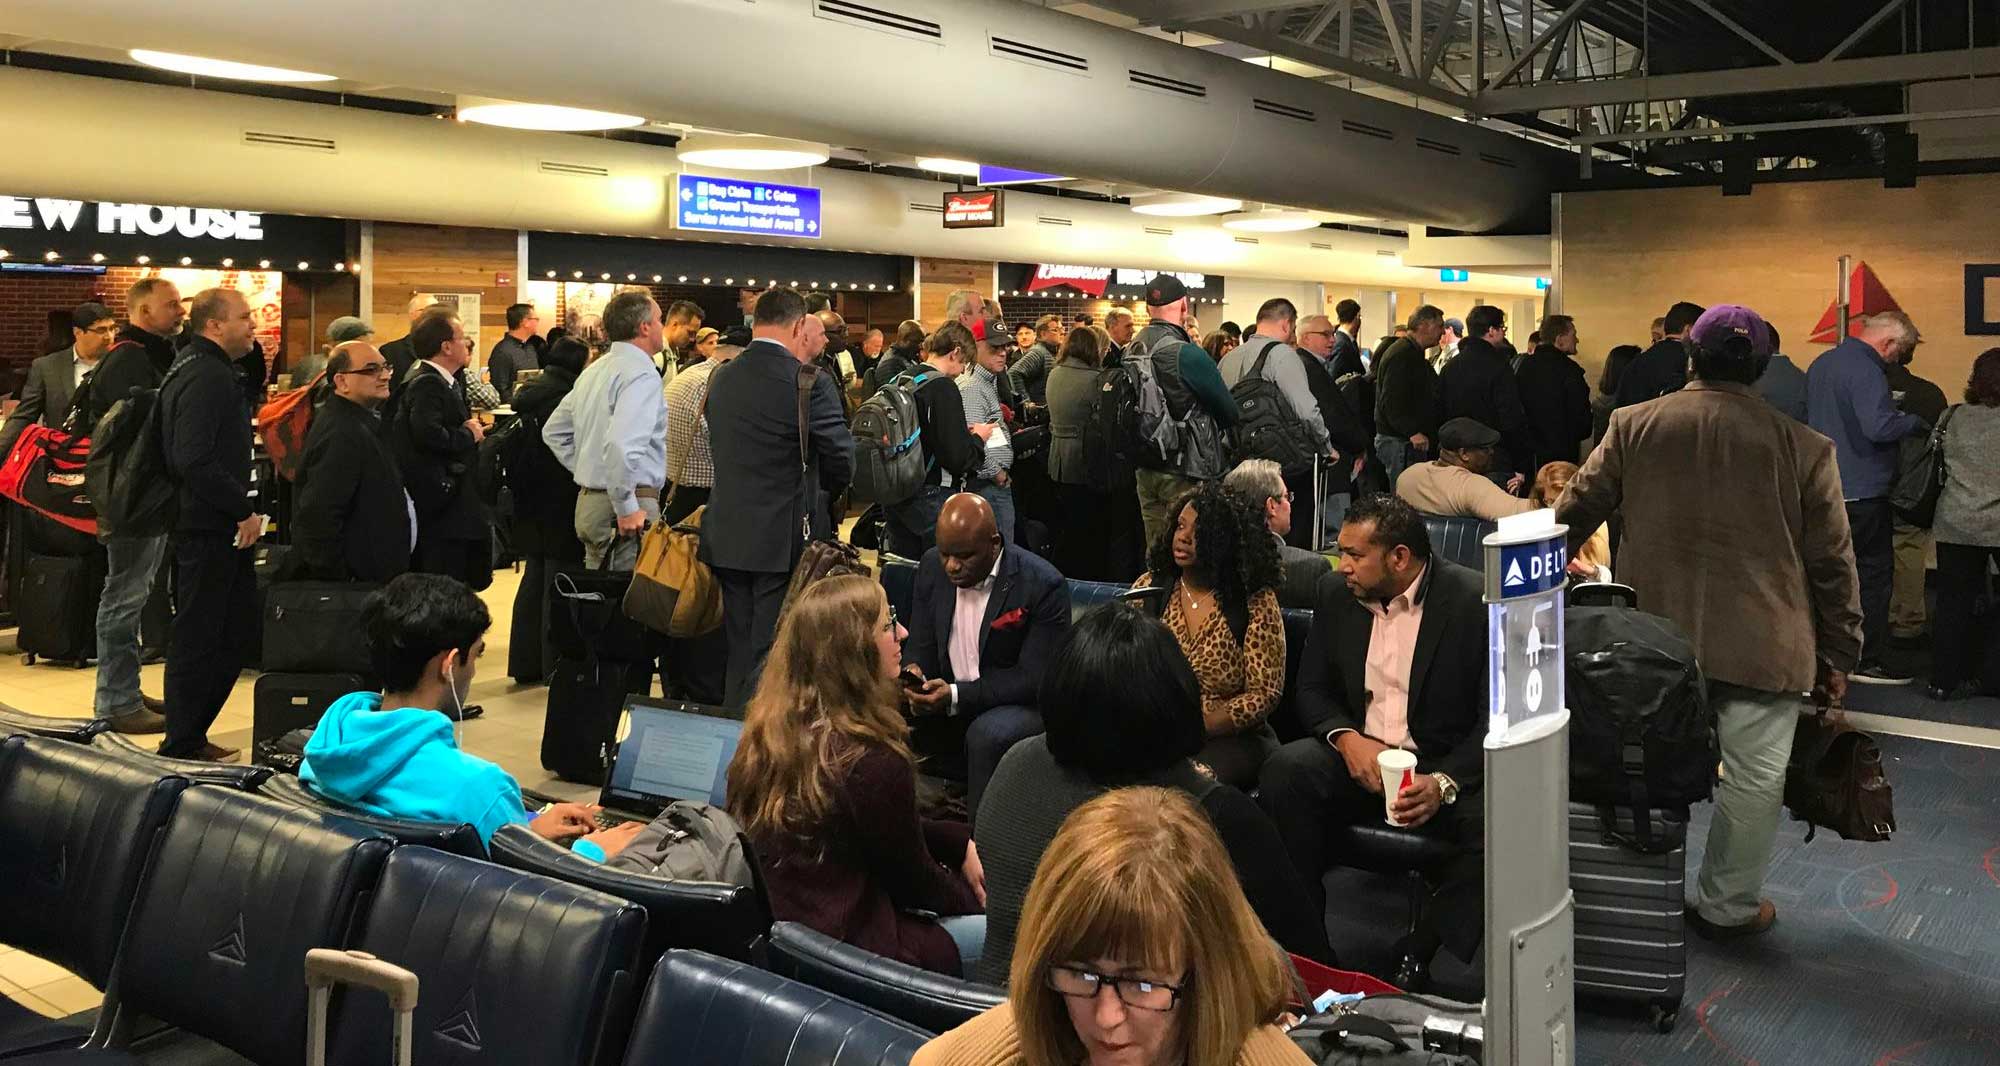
{"type": "Point", "coordinates": [825, 785]}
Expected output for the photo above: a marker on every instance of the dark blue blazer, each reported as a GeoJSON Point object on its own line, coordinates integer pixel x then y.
{"type": "Point", "coordinates": [752, 521]}
{"type": "Point", "coordinates": [1015, 650]}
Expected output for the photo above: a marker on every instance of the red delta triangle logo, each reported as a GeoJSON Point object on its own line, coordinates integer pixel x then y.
{"type": "Point", "coordinates": [1866, 296]}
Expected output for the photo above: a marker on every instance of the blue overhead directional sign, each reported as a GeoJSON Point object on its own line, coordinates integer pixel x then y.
{"type": "Point", "coordinates": [717, 205]}
{"type": "Point", "coordinates": [1454, 275]}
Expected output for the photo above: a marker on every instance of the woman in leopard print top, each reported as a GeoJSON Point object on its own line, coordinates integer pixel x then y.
{"type": "Point", "coordinates": [1220, 573]}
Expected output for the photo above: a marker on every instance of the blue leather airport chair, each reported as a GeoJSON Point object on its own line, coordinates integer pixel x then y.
{"type": "Point", "coordinates": [79, 730]}
{"type": "Point", "coordinates": [198, 771]}
{"type": "Point", "coordinates": [514, 968]}
{"type": "Point", "coordinates": [726, 920]}
{"type": "Point", "coordinates": [930, 1001]}
{"type": "Point", "coordinates": [899, 583]}
{"type": "Point", "coordinates": [700, 1010]}
{"type": "Point", "coordinates": [76, 829]}
{"type": "Point", "coordinates": [455, 837]}
{"type": "Point", "coordinates": [1458, 539]}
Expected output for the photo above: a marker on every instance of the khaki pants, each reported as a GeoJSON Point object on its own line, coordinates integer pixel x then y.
{"type": "Point", "coordinates": [1906, 600]}
{"type": "Point", "coordinates": [1158, 489]}
{"type": "Point", "coordinates": [604, 548]}
{"type": "Point", "coordinates": [1755, 731]}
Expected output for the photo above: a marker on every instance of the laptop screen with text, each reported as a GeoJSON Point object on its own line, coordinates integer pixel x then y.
{"type": "Point", "coordinates": [673, 753]}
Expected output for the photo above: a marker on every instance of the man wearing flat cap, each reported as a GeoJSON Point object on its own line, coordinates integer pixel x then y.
{"type": "Point", "coordinates": [1455, 484]}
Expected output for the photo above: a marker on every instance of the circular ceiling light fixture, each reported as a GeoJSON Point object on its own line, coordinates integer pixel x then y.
{"type": "Point", "coordinates": [221, 68]}
{"type": "Point", "coordinates": [1270, 220]}
{"type": "Point", "coordinates": [549, 117]}
{"type": "Point", "coordinates": [963, 168]}
{"type": "Point", "coordinates": [1183, 204]}
{"type": "Point", "coordinates": [730, 151]}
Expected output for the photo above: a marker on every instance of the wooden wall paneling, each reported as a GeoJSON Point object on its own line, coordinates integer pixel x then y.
{"type": "Point", "coordinates": [412, 258]}
{"type": "Point", "coordinates": [942, 277]}
{"type": "Point", "coordinates": [1627, 256]}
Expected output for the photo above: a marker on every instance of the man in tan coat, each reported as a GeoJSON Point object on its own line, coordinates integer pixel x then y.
{"type": "Point", "coordinates": [1735, 529]}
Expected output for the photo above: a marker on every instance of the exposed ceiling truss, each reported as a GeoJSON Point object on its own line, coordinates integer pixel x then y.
{"type": "Point", "coordinates": [1611, 78]}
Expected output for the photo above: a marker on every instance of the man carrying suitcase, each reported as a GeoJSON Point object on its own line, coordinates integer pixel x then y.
{"type": "Point", "coordinates": [1733, 520]}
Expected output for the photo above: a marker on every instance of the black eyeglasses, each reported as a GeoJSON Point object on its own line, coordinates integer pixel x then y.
{"type": "Point", "coordinates": [891, 627]}
{"type": "Point", "coordinates": [1079, 983]}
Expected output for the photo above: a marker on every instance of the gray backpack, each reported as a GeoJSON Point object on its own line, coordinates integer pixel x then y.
{"type": "Point", "coordinates": [1395, 1030]}
{"type": "Point", "coordinates": [689, 842]}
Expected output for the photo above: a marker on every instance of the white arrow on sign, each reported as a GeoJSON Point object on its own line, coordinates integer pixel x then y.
{"type": "Point", "coordinates": [1514, 576]}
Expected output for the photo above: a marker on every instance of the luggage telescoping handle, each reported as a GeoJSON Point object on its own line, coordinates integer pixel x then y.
{"type": "Point", "coordinates": [327, 967]}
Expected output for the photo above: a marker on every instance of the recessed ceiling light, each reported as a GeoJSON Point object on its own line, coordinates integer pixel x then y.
{"type": "Point", "coordinates": [221, 68]}
{"type": "Point", "coordinates": [144, 259]}
{"type": "Point", "coordinates": [552, 117]}
{"type": "Point", "coordinates": [1183, 204]}
{"type": "Point", "coordinates": [52, 256]}
{"type": "Point", "coordinates": [963, 168]}
{"type": "Point", "coordinates": [1270, 220]}
{"type": "Point", "coordinates": [229, 262]}
{"type": "Point", "coordinates": [97, 257]}
{"type": "Point", "coordinates": [262, 264]}
{"type": "Point", "coordinates": [185, 260]}
{"type": "Point", "coordinates": [750, 152]}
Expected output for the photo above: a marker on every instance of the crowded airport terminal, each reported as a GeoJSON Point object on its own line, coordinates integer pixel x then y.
{"type": "Point", "coordinates": [1000, 533]}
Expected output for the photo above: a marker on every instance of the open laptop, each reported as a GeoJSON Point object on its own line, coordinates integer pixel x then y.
{"type": "Point", "coordinates": [667, 752]}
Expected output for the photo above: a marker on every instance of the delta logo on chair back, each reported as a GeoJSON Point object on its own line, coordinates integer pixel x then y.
{"type": "Point", "coordinates": [232, 948]}
{"type": "Point", "coordinates": [461, 1026]}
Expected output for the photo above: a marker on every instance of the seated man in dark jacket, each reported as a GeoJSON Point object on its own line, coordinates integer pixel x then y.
{"type": "Point", "coordinates": [987, 623]}
{"type": "Point", "coordinates": [205, 434]}
{"type": "Point", "coordinates": [436, 443]}
{"type": "Point", "coordinates": [1401, 609]}
{"type": "Point", "coordinates": [353, 522]}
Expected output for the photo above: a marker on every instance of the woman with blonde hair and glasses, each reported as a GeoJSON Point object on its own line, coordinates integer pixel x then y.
{"type": "Point", "coordinates": [824, 784]}
{"type": "Point", "coordinates": [1137, 948]}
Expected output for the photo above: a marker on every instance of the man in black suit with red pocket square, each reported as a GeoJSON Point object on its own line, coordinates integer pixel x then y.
{"type": "Point", "coordinates": [987, 620]}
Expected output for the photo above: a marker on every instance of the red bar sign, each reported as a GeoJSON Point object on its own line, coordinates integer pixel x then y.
{"type": "Point", "coordinates": [986, 209]}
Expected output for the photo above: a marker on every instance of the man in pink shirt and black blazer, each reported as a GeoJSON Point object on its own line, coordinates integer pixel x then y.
{"type": "Point", "coordinates": [1396, 658]}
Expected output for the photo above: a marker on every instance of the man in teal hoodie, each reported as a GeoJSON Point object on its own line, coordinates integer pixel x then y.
{"type": "Point", "coordinates": [394, 754]}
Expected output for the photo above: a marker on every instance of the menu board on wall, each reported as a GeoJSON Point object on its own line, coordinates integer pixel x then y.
{"type": "Point", "coordinates": [264, 289]}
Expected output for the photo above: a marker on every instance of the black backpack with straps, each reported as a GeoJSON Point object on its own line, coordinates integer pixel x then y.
{"type": "Point", "coordinates": [1266, 425]}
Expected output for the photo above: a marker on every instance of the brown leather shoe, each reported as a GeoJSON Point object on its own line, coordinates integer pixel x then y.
{"type": "Point", "coordinates": [143, 720]}
{"type": "Point", "coordinates": [1767, 916]}
{"type": "Point", "coordinates": [153, 705]}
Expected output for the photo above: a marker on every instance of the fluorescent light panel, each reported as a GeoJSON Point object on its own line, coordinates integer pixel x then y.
{"type": "Point", "coordinates": [221, 68]}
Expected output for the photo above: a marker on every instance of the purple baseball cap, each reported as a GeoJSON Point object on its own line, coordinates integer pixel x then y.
{"type": "Point", "coordinates": [1723, 321]}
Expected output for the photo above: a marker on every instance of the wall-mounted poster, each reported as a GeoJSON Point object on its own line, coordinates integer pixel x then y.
{"type": "Point", "coordinates": [467, 306]}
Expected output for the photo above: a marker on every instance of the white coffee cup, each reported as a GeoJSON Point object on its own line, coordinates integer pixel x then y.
{"type": "Point", "coordinates": [1398, 768]}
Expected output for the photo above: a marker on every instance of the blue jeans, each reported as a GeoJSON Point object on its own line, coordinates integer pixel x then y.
{"type": "Point", "coordinates": [968, 932]}
{"type": "Point", "coordinates": [131, 563]}
{"type": "Point", "coordinates": [1001, 497]}
{"type": "Point", "coordinates": [1397, 455]}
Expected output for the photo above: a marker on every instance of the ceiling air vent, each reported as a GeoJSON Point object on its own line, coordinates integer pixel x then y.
{"type": "Point", "coordinates": [573, 170]}
{"type": "Point", "coordinates": [1272, 107]}
{"type": "Point", "coordinates": [1498, 160]}
{"type": "Point", "coordinates": [1248, 240]}
{"type": "Point", "coordinates": [1038, 55]}
{"type": "Point", "coordinates": [269, 139]}
{"type": "Point", "coordinates": [1439, 146]}
{"type": "Point", "coordinates": [928, 209]}
{"type": "Point", "coordinates": [1174, 86]}
{"type": "Point", "coordinates": [1051, 220]}
{"type": "Point", "coordinates": [1318, 247]}
{"type": "Point", "coordinates": [1366, 130]}
{"type": "Point", "coordinates": [880, 19]}
{"type": "Point", "coordinates": [1159, 231]}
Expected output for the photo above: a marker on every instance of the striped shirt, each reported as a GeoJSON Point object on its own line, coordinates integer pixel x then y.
{"type": "Point", "coordinates": [982, 404]}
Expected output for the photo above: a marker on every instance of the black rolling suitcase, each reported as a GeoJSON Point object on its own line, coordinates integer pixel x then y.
{"type": "Point", "coordinates": [56, 605]}
{"type": "Point", "coordinates": [1631, 931]}
{"type": "Point", "coordinates": [586, 697]}
{"type": "Point", "coordinates": [284, 702]}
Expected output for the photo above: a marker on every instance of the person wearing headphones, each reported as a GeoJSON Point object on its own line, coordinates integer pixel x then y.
{"type": "Point", "coordinates": [393, 753]}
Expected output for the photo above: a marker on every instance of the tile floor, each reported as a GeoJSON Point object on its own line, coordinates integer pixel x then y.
{"type": "Point", "coordinates": [510, 733]}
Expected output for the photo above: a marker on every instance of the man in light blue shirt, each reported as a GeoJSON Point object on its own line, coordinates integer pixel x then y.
{"type": "Point", "coordinates": [1847, 398]}
{"type": "Point", "coordinates": [611, 434]}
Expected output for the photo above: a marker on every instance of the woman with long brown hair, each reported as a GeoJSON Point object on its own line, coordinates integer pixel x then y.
{"type": "Point", "coordinates": [824, 784]}
{"type": "Point", "coordinates": [1137, 948]}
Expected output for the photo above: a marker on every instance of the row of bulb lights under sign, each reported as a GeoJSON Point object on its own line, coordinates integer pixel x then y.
{"type": "Point", "coordinates": [147, 260]}
{"type": "Point", "coordinates": [683, 279]}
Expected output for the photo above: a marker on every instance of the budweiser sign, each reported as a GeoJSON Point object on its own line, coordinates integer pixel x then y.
{"type": "Point", "coordinates": [1091, 280]}
{"type": "Point", "coordinates": [975, 210]}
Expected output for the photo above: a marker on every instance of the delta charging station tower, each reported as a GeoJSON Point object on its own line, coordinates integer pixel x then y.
{"type": "Point", "coordinates": [1530, 912]}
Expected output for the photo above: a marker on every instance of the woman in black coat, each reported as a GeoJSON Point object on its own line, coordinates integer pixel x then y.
{"type": "Point", "coordinates": [544, 526]}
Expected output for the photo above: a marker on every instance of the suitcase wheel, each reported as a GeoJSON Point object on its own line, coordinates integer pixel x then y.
{"type": "Point", "coordinates": [27, 658]}
{"type": "Point", "coordinates": [1665, 1016]}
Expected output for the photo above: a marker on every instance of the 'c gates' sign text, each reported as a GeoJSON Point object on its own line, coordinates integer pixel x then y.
{"type": "Point", "coordinates": [715, 205]}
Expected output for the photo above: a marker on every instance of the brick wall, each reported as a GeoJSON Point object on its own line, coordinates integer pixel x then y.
{"type": "Point", "coordinates": [27, 299]}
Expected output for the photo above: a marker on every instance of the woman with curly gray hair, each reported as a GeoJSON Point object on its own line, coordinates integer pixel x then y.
{"type": "Point", "coordinates": [1218, 570]}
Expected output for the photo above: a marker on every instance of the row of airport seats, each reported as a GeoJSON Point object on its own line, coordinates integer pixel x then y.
{"type": "Point", "coordinates": [1383, 870]}
{"type": "Point", "coordinates": [192, 905]}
